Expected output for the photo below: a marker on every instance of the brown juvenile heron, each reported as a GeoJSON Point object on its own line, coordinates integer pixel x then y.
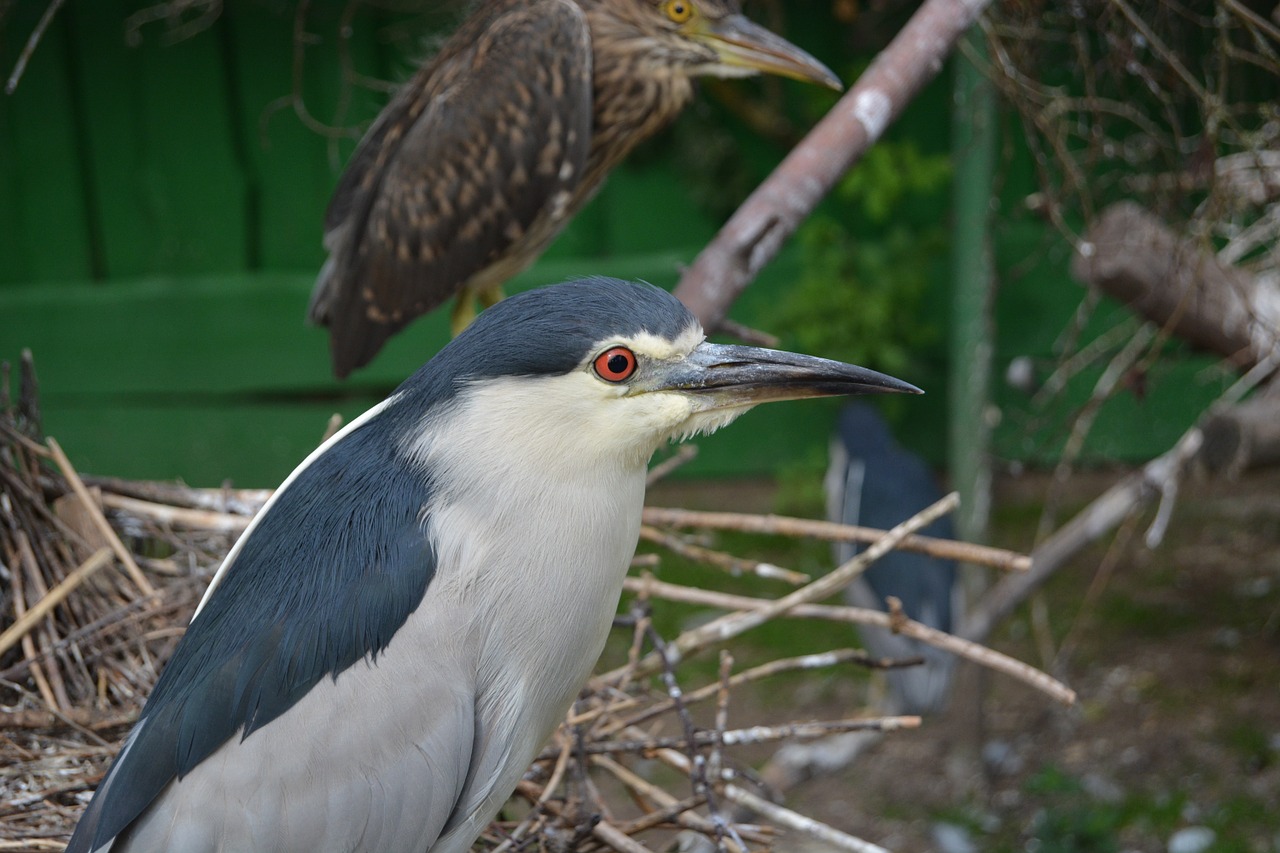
{"type": "Point", "coordinates": [482, 157]}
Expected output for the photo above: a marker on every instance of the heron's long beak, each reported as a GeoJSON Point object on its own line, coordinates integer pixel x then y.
{"type": "Point", "coordinates": [723, 376]}
{"type": "Point", "coordinates": [743, 44]}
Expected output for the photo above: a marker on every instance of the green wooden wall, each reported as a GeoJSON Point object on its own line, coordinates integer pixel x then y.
{"type": "Point", "coordinates": [160, 218]}
{"type": "Point", "coordinates": [161, 202]}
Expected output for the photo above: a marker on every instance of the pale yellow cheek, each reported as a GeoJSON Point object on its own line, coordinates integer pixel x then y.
{"type": "Point", "coordinates": [658, 414]}
{"type": "Point", "coordinates": [705, 423]}
{"type": "Point", "coordinates": [630, 428]}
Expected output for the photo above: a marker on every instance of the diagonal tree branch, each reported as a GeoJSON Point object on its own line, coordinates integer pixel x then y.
{"type": "Point", "coordinates": [754, 234]}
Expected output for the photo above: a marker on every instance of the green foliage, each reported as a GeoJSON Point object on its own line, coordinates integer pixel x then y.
{"type": "Point", "coordinates": [868, 259]}
{"type": "Point", "coordinates": [1251, 743]}
{"type": "Point", "coordinates": [889, 175]}
{"type": "Point", "coordinates": [1069, 820]}
{"type": "Point", "coordinates": [800, 487]}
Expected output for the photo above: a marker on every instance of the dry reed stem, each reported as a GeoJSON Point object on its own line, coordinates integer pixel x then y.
{"type": "Point", "coordinates": [50, 600]}
{"type": "Point", "coordinates": [20, 610]}
{"type": "Point", "coordinates": [176, 516]}
{"type": "Point", "coordinates": [99, 520]}
{"type": "Point", "coordinates": [965, 552]}
{"type": "Point", "coordinates": [28, 844]}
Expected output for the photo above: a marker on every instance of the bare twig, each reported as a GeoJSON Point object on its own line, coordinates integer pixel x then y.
{"type": "Point", "coordinates": [731, 564]}
{"type": "Point", "coordinates": [782, 816]}
{"type": "Point", "coordinates": [53, 598]}
{"type": "Point", "coordinates": [967, 552]}
{"type": "Point", "coordinates": [99, 521]}
{"type": "Point", "coordinates": [864, 616]}
{"type": "Point", "coordinates": [800, 823]}
{"type": "Point", "coordinates": [1135, 491]}
{"type": "Point", "coordinates": [754, 234]}
{"type": "Point", "coordinates": [1091, 523]}
{"type": "Point", "coordinates": [693, 739]}
{"type": "Point", "coordinates": [50, 10]}
{"type": "Point", "coordinates": [645, 788]}
{"type": "Point", "coordinates": [820, 660]}
{"type": "Point", "coordinates": [734, 624]}
{"type": "Point", "coordinates": [684, 454]}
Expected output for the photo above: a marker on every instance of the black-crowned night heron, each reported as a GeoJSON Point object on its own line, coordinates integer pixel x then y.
{"type": "Point", "coordinates": [405, 622]}
{"type": "Point", "coordinates": [481, 159]}
{"type": "Point", "coordinates": [875, 482]}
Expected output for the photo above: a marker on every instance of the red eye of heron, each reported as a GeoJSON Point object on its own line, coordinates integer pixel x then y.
{"type": "Point", "coordinates": [615, 364]}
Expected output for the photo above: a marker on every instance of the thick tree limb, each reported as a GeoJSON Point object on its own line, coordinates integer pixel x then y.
{"type": "Point", "coordinates": [754, 234]}
{"type": "Point", "coordinates": [1174, 281]}
{"type": "Point", "coordinates": [1242, 437]}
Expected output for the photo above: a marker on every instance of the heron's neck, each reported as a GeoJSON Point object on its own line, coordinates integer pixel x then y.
{"type": "Point", "coordinates": [637, 92]}
{"type": "Point", "coordinates": [536, 533]}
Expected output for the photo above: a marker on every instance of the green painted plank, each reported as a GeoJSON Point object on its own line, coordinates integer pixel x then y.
{"type": "Point", "coordinates": [164, 168]}
{"type": "Point", "coordinates": [249, 444]}
{"type": "Point", "coordinates": [44, 221]}
{"type": "Point", "coordinates": [650, 208]}
{"type": "Point", "coordinates": [1136, 425]}
{"type": "Point", "coordinates": [293, 166]}
{"type": "Point", "coordinates": [234, 334]}
{"type": "Point", "coordinates": [258, 442]}
{"type": "Point", "coordinates": [1037, 301]}
{"type": "Point", "coordinates": [218, 377]}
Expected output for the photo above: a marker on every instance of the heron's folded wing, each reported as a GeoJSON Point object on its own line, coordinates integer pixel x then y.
{"type": "Point", "coordinates": [324, 578]}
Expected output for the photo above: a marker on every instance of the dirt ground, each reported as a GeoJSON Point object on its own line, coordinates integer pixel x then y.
{"type": "Point", "coordinates": [1175, 742]}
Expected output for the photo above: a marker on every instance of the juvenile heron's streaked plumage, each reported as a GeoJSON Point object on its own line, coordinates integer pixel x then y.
{"type": "Point", "coordinates": [405, 622]}
{"type": "Point", "coordinates": [482, 157]}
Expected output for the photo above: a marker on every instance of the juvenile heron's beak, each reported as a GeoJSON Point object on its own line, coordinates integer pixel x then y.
{"type": "Point", "coordinates": [743, 44]}
{"type": "Point", "coordinates": [723, 376]}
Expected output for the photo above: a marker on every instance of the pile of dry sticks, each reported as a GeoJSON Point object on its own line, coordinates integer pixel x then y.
{"type": "Point", "coordinates": [99, 577]}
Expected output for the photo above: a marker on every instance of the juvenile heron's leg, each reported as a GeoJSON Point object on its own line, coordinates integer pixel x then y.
{"type": "Point", "coordinates": [490, 296]}
{"type": "Point", "coordinates": [464, 311]}
{"type": "Point", "coordinates": [464, 308]}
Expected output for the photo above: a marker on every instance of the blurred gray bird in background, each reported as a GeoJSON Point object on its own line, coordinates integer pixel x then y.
{"type": "Point", "coordinates": [405, 622]}
{"type": "Point", "coordinates": [872, 481]}
{"type": "Point", "coordinates": [487, 152]}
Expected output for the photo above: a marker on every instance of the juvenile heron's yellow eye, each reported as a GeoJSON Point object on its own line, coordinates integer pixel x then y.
{"type": "Point", "coordinates": [679, 10]}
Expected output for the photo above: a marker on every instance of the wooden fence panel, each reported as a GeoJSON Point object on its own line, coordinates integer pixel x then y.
{"type": "Point", "coordinates": [162, 164]}
{"type": "Point", "coordinates": [45, 214]}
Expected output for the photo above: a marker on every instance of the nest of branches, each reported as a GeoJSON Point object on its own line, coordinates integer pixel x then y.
{"type": "Point", "coordinates": [99, 577]}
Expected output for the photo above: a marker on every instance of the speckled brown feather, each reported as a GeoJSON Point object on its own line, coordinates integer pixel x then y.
{"type": "Point", "coordinates": [486, 153]}
{"type": "Point", "coordinates": [460, 167]}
